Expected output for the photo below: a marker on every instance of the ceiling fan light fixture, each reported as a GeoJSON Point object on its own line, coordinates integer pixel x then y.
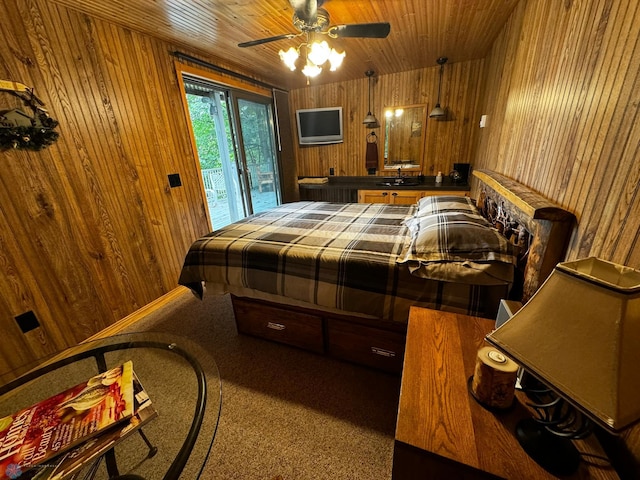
{"type": "Point", "coordinates": [319, 52]}
{"type": "Point", "coordinates": [335, 59]}
{"type": "Point", "coordinates": [289, 58]}
{"type": "Point", "coordinates": [311, 69]}
{"type": "Point", "coordinates": [309, 19]}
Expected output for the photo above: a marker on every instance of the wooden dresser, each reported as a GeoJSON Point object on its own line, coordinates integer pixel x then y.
{"type": "Point", "coordinates": [442, 432]}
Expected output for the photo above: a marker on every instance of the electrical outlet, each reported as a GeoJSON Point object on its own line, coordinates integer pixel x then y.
{"type": "Point", "coordinates": [27, 321]}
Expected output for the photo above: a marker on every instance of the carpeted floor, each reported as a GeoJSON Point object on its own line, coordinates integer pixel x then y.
{"type": "Point", "coordinates": [286, 412]}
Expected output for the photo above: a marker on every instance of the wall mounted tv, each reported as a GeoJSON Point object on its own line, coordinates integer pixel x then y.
{"type": "Point", "coordinates": [319, 126]}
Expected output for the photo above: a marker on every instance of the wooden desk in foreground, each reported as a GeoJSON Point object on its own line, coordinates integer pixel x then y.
{"type": "Point", "coordinates": [442, 432]}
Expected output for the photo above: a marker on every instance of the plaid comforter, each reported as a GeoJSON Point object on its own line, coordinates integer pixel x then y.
{"type": "Point", "coordinates": [327, 254]}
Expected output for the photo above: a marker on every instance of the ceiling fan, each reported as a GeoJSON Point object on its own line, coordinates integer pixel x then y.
{"type": "Point", "coordinates": [309, 17]}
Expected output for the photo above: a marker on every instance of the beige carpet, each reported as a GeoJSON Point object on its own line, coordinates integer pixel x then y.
{"type": "Point", "coordinates": [286, 412]}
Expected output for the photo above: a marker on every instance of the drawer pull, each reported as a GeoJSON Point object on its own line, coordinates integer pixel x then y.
{"type": "Point", "coordinates": [382, 352]}
{"type": "Point", "coordinates": [275, 326]}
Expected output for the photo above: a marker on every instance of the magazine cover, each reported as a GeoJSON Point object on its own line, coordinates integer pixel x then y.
{"type": "Point", "coordinates": [76, 458]}
{"type": "Point", "coordinates": [36, 434]}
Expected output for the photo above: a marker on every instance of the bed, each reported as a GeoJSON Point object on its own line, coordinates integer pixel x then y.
{"type": "Point", "coordinates": [339, 278]}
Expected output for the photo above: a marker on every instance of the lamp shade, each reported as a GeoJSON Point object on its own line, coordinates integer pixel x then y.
{"type": "Point", "coordinates": [438, 111]}
{"type": "Point", "coordinates": [580, 335]}
{"type": "Point", "coordinates": [370, 119]}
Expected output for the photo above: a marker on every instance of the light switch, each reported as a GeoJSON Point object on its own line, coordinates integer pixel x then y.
{"type": "Point", "coordinates": [174, 180]}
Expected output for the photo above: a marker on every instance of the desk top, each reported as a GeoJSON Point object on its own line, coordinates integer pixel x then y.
{"type": "Point", "coordinates": [438, 415]}
{"type": "Point", "coordinates": [181, 379]}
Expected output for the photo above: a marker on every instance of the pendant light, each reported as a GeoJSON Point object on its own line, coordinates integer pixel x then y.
{"type": "Point", "coordinates": [370, 120]}
{"type": "Point", "coordinates": [439, 111]}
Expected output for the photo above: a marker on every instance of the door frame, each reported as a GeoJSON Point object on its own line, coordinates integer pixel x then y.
{"type": "Point", "coordinates": [222, 81]}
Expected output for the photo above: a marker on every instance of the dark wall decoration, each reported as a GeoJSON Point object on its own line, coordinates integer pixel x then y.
{"type": "Point", "coordinates": [18, 129]}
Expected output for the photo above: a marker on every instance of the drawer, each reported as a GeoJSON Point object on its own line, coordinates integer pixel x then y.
{"type": "Point", "coordinates": [375, 347]}
{"type": "Point", "coordinates": [291, 327]}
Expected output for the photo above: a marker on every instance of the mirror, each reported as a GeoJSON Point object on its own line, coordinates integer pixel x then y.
{"type": "Point", "coordinates": [404, 131]}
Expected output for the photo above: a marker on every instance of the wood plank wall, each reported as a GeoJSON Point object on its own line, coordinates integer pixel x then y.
{"type": "Point", "coordinates": [563, 101]}
{"type": "Point", "coordinates": [448, 141]}
{"type": "Point", "coordinates": [90, 230]}
{"type": "Point", "coordinates": [563, 116]}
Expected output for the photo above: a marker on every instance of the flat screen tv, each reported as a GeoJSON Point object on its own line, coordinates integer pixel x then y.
{"type": "Point", "coordinates": [319, 126]}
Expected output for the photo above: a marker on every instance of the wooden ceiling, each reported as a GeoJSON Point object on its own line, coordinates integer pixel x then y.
{"type": "Point", "coordinates": [421, 31]}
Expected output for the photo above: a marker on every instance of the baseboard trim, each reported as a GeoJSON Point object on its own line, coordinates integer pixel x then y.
{"type": "Point", "coordinates": [139, 314]}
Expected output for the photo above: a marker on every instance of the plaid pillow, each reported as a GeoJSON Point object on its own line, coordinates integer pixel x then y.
{"type": "Point", "coordinates": [445, 203]}
{"type": "Point", "coordinates": [456, 236]}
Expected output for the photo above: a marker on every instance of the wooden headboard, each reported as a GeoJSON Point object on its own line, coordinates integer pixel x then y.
{"type": "Point", "coordinates": [550, 226]}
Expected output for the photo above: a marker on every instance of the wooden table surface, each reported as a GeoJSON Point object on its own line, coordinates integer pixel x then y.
{"type": "Point", "coordinates": [440, 420]}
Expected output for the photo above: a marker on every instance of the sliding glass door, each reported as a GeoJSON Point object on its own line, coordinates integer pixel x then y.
{"type": "Point", "coordinates": [235, 142]}
{"type": "Point", "coordinates": [257, 144]}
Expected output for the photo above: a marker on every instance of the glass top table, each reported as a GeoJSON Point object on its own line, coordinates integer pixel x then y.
{"type": "Point", "coordinates": [183, 384]}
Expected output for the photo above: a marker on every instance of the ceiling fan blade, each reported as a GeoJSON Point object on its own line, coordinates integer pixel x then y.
{"type": "Point", "coordinates": [361, 30]}
{"type": "Point", "coordinates": [253, 43]}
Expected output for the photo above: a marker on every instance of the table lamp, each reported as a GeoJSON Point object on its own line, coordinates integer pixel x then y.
{"type": "Point", "coordinates": [579, 335]}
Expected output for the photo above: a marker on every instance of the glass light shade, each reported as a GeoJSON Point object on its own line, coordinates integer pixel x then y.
{"type": "Point", "coordinates": [580, 335]}
{"type": "Point", "coordinates": [335, 59]}
{"type": "Point", "coordinates": [319, 52]}
{"type": "Point", "coordinates": [370, 119]}
{"type": "Point", "coordinates": [311, 70]}
{"type": "Point", "coordinates": [398, 112]}
{"type": "Point", "coordinates": [289, 58]}
{"type": "Point", "coordinates": [437, 112]}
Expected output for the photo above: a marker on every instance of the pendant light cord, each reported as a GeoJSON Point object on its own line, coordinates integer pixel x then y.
{"type": "Point", "coordinates": [440, 83]}
{"type": "Point", "coordinates": [370, 120]}
{"type": "Point", "coordinates": [441, 61]}
{"type": "Point", "coordinates": [369, 94]}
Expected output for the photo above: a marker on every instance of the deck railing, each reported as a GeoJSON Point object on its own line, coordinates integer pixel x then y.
{"type": "Point", "coordinates": [214, 183]}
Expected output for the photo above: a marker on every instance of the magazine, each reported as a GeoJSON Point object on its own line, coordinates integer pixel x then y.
{"type": "Point", "coordinates": [35, 435]}
{"type": "Point", "coordinates": [97, 446]}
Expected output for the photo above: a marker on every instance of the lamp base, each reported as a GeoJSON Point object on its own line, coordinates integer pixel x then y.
{"type": "Point", "coordinates": [557, 455]}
